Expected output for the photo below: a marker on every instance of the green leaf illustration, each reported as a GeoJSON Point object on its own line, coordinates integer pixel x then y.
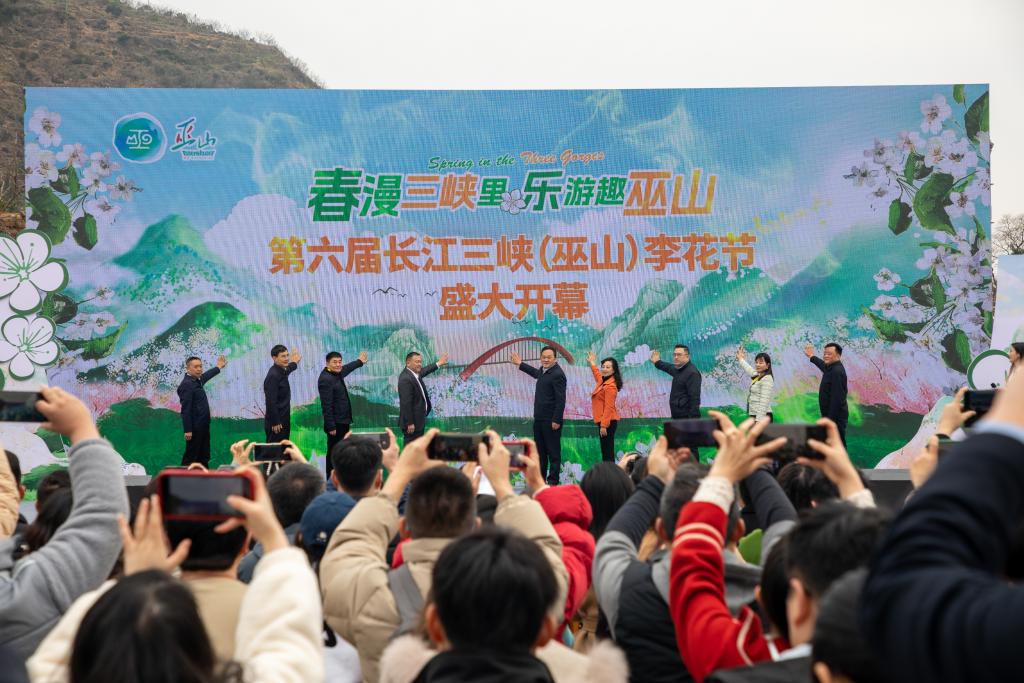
{"type": "Point", "coordinates": [915, 168]}
{"type": "Point", "coordinates": [67, 181]}
{"type": "Point", "coordinates": [85, 231]}
{"type": "Point", "coordinates": [976, 118]}
{"type": "Point", "coordinates": [899, 216]}
{"type": "Point", "coordinates": [958, 94]}
{"type": "Point", "coordinates": [956, 351]}
{"type": "Point", "coordinates": [59, 308]}
{"type": "Point", "coordinates": [931, 201]}
{"type": "Point", "coordinates": [890, 330]}
{"type": "Point", "coordinates": [938, 291]}
{"type": "Point", "coordinates": [986, 326]}
{"type": "Point", "coordinates": [51, 213]}
{"type": "Point", "coordinates": [94, 349]}
{"type": "Point", "coordinates": [921, 292]}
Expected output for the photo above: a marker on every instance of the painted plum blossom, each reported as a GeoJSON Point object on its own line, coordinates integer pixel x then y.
{"type": "Point", "coordinates": [26, 270]}
{"type": "Point", "coordinates": [27, 344]}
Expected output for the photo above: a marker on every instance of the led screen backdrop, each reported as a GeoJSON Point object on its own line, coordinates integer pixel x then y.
{"type": "Point", "coordinates": [168, 223]}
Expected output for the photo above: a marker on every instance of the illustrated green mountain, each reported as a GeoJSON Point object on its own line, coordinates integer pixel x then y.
{"type": "Point", "coordinates": [224, 324]}
{"type": "Point", "coordinates": [629, 329]}
{"type": "Point", "coordinates": [171, 239]}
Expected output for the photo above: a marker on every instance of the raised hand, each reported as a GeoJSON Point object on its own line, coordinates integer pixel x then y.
{"type": "Point", "coordinates": [260, 519]}
{"type": "Point", "coordinates": [534, 477]}
{"type": "Point", "coordinates": [147, 547]}
{"type": "Point", "coordinates": [741, 353]}
{"type": "Point", "coordinates": [293, 452]}
{"type": "Point", "coordinates": [295, 356]}
{"type": "Point", "coordinates": [240, 452]}
{"type": "Point", "coordinates": [591, 357]}
{"type": "Point", "coordinates": [515, 358]}
{"type": "Point", "coordinates": [836, 463]}
{"type": "Point", "coordinates": [443, 359]}
{"type": "Point", "coordinates": [495, 464]}
{"type": "Point", "coordinates": [363, 356]}
{"type": "Point", "coordinates": [953, 414]}
{"type": "Point", "coordinates": [809, 350]}
{"type": "Point", "coordinates": [655, 356]}
{"type": "Point", "coordinates": [737, 457]}
{"type": "Point", "coordinates": [66, 415]}
{"type": "Point", "coordinates": [221, 362]}
{"type": "Point", "coordinates": [413, 460]}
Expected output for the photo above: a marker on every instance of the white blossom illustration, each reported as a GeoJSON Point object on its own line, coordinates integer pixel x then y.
{"type": "Point", "coordinates": [26, 270]}
{"type": "Point", "coordinates": [27, 344]}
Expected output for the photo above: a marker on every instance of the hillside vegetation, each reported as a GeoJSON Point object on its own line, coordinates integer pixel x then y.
{"type": "Point", "coordinates": [110, 43]}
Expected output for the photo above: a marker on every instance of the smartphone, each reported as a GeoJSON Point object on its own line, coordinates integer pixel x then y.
{"type": "Point", "coordinates": [381, 438]}
{"type": "Point", "coordinates": [197, 496]}
{"type": "Point", "coordinates": [980, 401]}
{"type": "Point", "coordinates": [796, 440]}
{"type": "Point", "coordinates": [691, 433]}
{"type": "Point", "coordinates": [945, 448]}
{"type": "Point", "coordinates": [515, 449]}
{"type": "Point", "coordinates": [20, 406]}
{"type": "Point", "coordinates": [268, 452]}
{"type": "Point", "coordinates": [455, 447]}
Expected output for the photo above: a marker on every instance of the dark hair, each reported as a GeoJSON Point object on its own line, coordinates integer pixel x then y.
{"type": "Point", "coordinates": [292, 488]}
{"type": "Point", "coordinates": [210, 551]}
{"type": "Point", "coordinates": [678, 493]}
{"type": "Point", "coordinates": [331, 356]}
{"type": "Point", "coordinates": [838, 641]}
{"type": "Point", "coordinates": [829, 541]}
{"type": "Point", "coordinates": [607, 487]}
{"type": "Point", "coordinates": [440, 504]}
{"type": "Point", "coordinates": [837, 347]}
{"type": "Point", "coordinates": [1019, 348]}
{"type": "Point", "coordinates": [409, 356]}
{"type": "Point", "coordinates": [52, 482]}
{"type": "Point", "coordinates": [767, 359]}
{"type": "Point", "coordinates": [277, 350]}
{"type": "Point", "coordinates": [684, 347]}
{"type": "Point", "coordinates": [549, 348]}
{"type": "Point", "coordinates": [638, 470]}
{"type": "Point", "coordinates": [805, 486]}
{"type": "Point", "coordinates": [52, 514]}
{"type": "Point", "coordinates": [15, 465]}
{"type": "Point", "coordinates": [615, 371]}
{"type": "Point", "coordinates": [190, 359]}
{"type": "Point", "coordinates": [492, 590]}
{"type": "Point", "coordinates": [146, 628]}
{"type": "Point", "coordinates": [775, 587]}
{"type": "Point", "coordinates": [356, 463]}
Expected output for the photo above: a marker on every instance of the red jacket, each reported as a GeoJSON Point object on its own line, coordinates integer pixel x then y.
{"type": "Point", "coordinates": [569, 512]}
{"type": "Point", "coordinates": [709, 637]}
{"type": "Point", "coordinates": [602, 399]}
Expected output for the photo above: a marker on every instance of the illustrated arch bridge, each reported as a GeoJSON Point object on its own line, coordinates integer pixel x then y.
{"type": "Point", "coordinates": [524, 346]}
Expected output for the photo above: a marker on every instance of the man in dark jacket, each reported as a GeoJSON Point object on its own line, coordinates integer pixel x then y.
{"type": "Point", "coordinates": [684, 397]}
{"type": "Point", "coordinates": [413, 400]}
{"type": "Point", "coordinates": [832, 391]}
{"type": "Point", "coordinates": [195, 410]}
{"type": "Point", "coordinates": [942, 602]}
{"type": "Point", "coordinates": [334, 403]}
{"type": "Point", "coordinates": [548, 411]}
{"type": "Point", "coordinates": [277, 393]}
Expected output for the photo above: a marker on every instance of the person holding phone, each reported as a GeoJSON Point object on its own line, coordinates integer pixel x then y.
{"type": "Point", "coordinates": [334, 401]}
{"type": "Point", "coordinates": [548, 410]}
{"type": "Point", "coordinates": [413, 400]}
{"type": "Point", "coordinates": [762, 384]}
{"type": "Point", "coordinates": [602, 401]}
{"type": "Point", "coordinates": [195, 409]}
{"type": "Point", "coordinates": [277, 393]}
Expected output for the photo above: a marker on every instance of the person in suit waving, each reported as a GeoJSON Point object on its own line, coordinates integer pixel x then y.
{"type": "Point", "coordinates": [413, 400]}
{"type": "Point", "coordinates": [195, 409]}
{"type": "Point", "coordinates": [334, 399]}
{"type": "Point", "coordinates": [548, 410]}
{"type": "Point", "coordinates": [602, 400]}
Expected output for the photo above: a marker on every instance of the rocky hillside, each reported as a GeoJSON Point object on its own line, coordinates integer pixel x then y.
{"type": "Point", "coordinates": [110, 43]}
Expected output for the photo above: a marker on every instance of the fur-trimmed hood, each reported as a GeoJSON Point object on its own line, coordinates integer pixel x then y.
{"type": "Point", "coordinates": [405, 657]}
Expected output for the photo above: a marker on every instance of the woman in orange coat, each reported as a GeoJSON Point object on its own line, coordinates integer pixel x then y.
{"type": "Point", "coordinates": [609, 381]}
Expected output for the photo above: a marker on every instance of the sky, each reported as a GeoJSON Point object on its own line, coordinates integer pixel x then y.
{"type": "Point", "coordinates": [474, 44]}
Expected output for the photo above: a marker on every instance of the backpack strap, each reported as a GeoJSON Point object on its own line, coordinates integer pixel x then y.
{"type": "Point", "coordinates": [408, 599]}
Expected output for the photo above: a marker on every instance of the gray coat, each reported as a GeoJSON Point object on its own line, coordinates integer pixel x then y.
{"type": "Point", "coordinates": [38, 589]}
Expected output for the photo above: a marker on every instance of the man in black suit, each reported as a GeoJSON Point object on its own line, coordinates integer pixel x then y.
{"type": "Point", "coordinates": [195, 410]}
{"type": "Point", "coordinates": [277, 392]}
{"type": "Point", "coordinates": [334, 401]}
{"type": "Point", "coordinates": [832, 390]}
{"type": "Point", "coordinates": [684, 397]}
{"type": "Point", "coordinates": [548, 411]}
{"type": "Point", "coordinates": [413, 400]}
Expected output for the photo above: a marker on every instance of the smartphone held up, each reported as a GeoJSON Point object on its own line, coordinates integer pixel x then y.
{"type": "Point", "coordinates": [193, 495]}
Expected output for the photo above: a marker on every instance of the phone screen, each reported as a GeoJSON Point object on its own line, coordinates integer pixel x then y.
{"type": "Point", "coordinates": [203, 496]}
{"type": "Point", "coordinates": [20, 406]}
{"type": "Point", "coordinates": [515, 449]}
{"type": "Point", "coordinates": [796, 440]}
{"type": "Point", "coordinates": [382, 438]}
{"type": "Point", "coordinates": [691, 433]}
{"type": "Point", "coordinates": [267, 452]}
{"type": "Point", "coordinates": [452, 447]}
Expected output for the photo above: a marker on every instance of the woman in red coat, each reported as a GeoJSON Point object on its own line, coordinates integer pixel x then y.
{"type": "Point", "coordinates": [602, 399]}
